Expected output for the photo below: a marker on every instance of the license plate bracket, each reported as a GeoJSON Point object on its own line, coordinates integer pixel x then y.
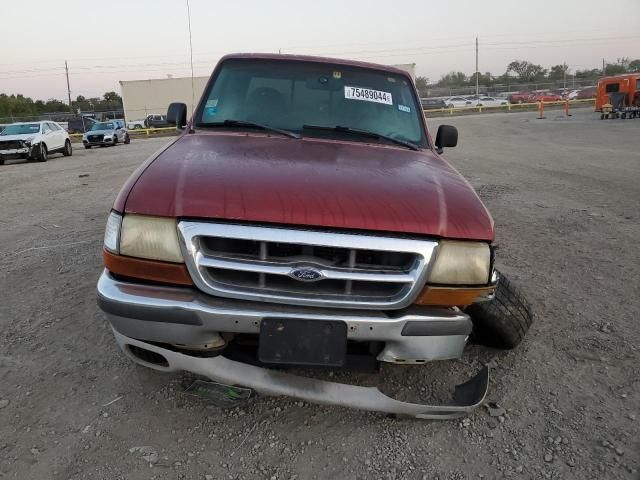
{"type": "Point", "coordinates": [293, 341]}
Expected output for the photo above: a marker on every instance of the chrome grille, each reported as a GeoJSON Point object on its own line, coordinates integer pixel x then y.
{"type": "Point", "coordinates": [305, 267]}
{"type": "Point", "coordinates": [11, 144]}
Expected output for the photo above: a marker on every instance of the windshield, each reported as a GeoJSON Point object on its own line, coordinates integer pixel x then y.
{"type": "Point", "coordinates": [102, 126]}
{"type": "Point", "coordinates": [21, 129]}
{"type": "Point", "coordinates": [290, 94]}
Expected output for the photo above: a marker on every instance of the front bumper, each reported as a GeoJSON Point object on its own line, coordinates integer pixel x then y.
{"type": "Point", "coordinates": [15, 153]}
{"type": "Point", "coordinates": [99, 143]}
{"type": "Point", "coordinates": [140, 314]}
{"type": "Point", "coordinates": [187, 317]}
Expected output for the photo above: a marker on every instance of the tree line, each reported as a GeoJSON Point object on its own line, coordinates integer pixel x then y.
{"type": "Point", "coordinates": [522, 71]}
{"type": "Point", "coordinates": [21, 106]}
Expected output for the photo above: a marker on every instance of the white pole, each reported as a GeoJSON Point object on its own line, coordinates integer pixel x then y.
{"type": "Point", "coordinates": [477, 73]}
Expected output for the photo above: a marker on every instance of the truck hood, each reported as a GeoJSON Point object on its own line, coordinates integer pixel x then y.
{"type": "Point", "coordinates": [309, 182]}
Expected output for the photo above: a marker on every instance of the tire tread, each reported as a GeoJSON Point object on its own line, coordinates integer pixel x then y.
{"type": "Point", "coordinates": [504, 321]}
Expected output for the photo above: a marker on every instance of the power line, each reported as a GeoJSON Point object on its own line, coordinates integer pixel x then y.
{"type": "Point", "coordinates": [378, 53]}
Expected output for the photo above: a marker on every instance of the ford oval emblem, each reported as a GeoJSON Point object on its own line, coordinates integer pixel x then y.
{"type": "Point", "coordinates": [306, 274]}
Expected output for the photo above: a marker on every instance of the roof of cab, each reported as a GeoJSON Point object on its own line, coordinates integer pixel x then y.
{"type": "Point", "coordinates": [310, 58]}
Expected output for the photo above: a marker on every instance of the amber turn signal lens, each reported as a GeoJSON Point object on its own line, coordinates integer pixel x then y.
{"type": "Point", "coordinates": [164, 272]}
{"type": "Point", "coordinates": [451, 297]}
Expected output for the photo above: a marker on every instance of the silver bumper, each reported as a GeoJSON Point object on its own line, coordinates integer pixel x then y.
{"type": "Point", "coordinates": [467, 396]}
{"type": "Point", "coordinates": [186, 316]}
{"type": "Point", "coordinates": [140, 314]}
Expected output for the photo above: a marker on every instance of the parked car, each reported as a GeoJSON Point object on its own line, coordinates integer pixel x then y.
{"type": "Point", "coordinates": [433, 103]}
{"type": "Point", "coordinates": [104, 134]}
{"type": "Point", "coordinates": [136, 124]}
{"type": "Point", "coordinates": [33, 141]}
{"type": "Point", "coordinates": [586, 93]}
{"type": "Point", "coordinates": [458, 102]}
{"type": "Point", "coordinates": [520, 97]}
{"type": "Point", "coordinates": [491, 102]}
{"type": "Point", "coordinates": [276, 232]}
{"type": "Point", "coordinates": [546, 97]}
{"type": "Point", "coordinates": [573, 94]}
{"type": "Point", "coordinates": [80, 124]}
{"type": "Point", "coordinates": [156, 121]}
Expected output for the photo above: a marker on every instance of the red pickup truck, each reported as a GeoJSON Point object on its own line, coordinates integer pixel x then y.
{"type": "Point", "coordinates": [305, 217]}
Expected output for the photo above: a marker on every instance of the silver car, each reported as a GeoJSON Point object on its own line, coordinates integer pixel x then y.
{"type": "Point", "coordinates": [106, 133]}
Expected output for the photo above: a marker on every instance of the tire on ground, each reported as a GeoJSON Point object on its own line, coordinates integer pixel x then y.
{"type": "Point", "coordinates": [503, 321]}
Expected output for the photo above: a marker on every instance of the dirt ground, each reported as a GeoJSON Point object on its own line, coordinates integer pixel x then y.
{"type": "Point", "coordinates": [565, 196]}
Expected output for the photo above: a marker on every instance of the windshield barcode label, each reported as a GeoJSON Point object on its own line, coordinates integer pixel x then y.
{"type": "Point", "coordinates": [368, 95]}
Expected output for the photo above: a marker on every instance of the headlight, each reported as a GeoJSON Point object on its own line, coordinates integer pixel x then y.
{"type": "Point", "coordinates": [112, 232]}
{"type": "Point", "coordinates": [154, 238]}
{"type": "Point", "coordinates": [461, 263]}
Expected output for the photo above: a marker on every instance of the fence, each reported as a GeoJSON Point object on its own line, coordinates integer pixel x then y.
{"type": "Point", "coordinates": [64, 116]}
{"type": "Point", "coordinates": [508, 107]}
{"type": "Point", "coordinates": [433, 91]}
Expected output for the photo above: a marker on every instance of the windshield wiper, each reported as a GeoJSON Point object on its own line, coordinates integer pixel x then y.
{"type": "Point", "coordinates": [244, 123]}
{"type": "Point", "coordinates": [363, 133]}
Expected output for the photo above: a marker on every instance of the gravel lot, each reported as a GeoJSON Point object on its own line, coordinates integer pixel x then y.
{"type": "Point", "coordinates": [565, 197]}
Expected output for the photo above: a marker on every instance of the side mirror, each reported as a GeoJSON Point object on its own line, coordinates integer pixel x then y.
{"type": "Point", "coordinates": [447, 136]}
{"type": "Point", "coordinates": [177, 114]}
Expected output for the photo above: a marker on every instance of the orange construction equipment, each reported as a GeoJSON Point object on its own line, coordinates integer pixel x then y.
{"type": "Point", "coordinates": [541, 110]}
{"type": "Point", "coordinates": [566, 108]}
{"type": "Point", "coordinates": [628, 83]}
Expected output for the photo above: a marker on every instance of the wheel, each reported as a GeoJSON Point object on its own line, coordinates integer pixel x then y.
{"type": "Point", "coordinates": [88, 147]}
{"type": "Point", "coordinates": [67, 152]}
{"type": "Point", "coordinates": [138, 127]}
{"type": "Point", "coordinates": [520, 101]}
{"type": "Point", "coordinates": [602, 116]}
{"type": "Point", "coordinates": [503, 321]}
{"type": "Point", "coordinates": [1, 161]}
{"type": "Point", "coordinates": [127, 139]}
{"type": "Point", "coordinates": [43, 153]}
{"type": "Point", "coordinates": [115, 140]}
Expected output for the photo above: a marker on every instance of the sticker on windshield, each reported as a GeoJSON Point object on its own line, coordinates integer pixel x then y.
{"type": "Point", "coordinates": [404, 108]}
{"type": "Point", "coordinates": [337, 75]}
{"type": "Point", "coordinates": [367, 95]}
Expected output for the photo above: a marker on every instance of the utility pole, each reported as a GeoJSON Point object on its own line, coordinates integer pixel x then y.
{"type": "Point", "coordinates": [193, 98]}
{"type": "Point", "coordinates": [564, 76]}
{"type": "Point", "coordinates": [603, 67]}
{"type": "Point", "coordinates": [477, 73]}
{"type": "Point", "coordinates": [66, 69]}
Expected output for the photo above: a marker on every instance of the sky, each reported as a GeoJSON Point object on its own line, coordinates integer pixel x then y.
{"type": "Point", "coordinates": [105, 42]}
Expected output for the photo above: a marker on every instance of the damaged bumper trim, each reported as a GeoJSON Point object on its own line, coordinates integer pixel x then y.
{"type": "Point", "coordinates": [467, 396]}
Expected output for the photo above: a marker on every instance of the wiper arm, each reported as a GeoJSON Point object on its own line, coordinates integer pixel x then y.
{"type": "Point", "coordinates": [244, 123]}
{"type": "Point", "coordinates": [363, 133]}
